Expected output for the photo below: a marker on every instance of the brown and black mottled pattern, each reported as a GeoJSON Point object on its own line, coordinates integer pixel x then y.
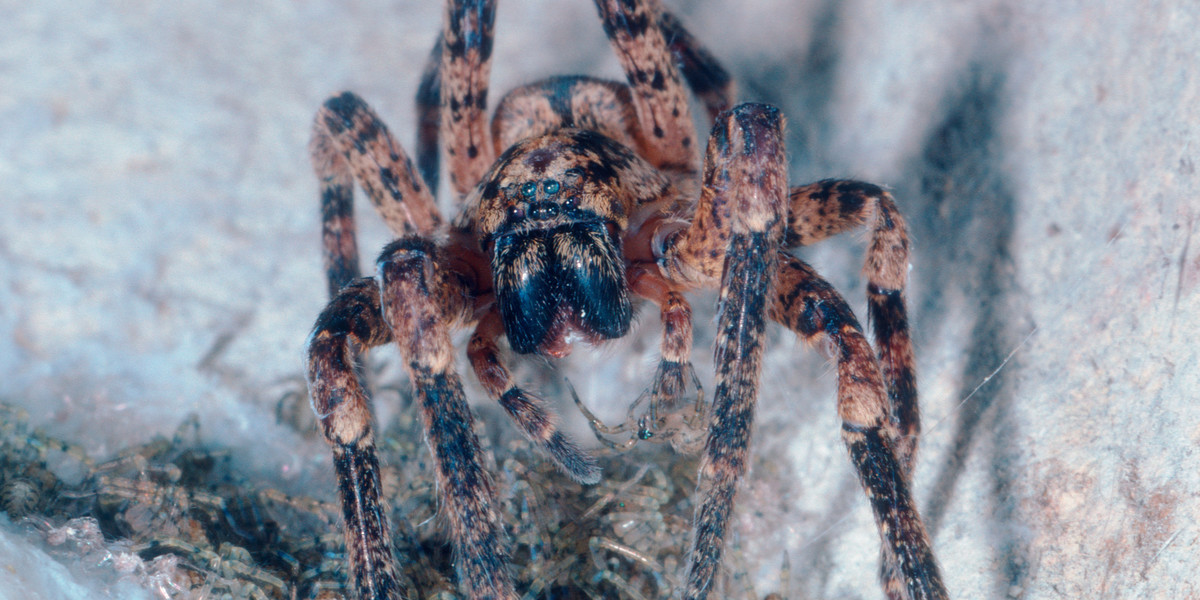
{"type": "Point", "coordinates": [675, 367]}
{"type": "Point", "coordinates": [833, 206]}
{"type": "Point", "coordinates": [745, 174]}
{"type": "Point", "coordinates": [732, 197]}
{"type": "Point", "coordinates": [916, 575]}
{"type": "Point", "coordinates": [435, 299]}
{"type": "Point", "coordinates": [526, 409]}
{"type": "Point", "coordinates": [350, 142]}
{"type": "Point", "coordinates": [807, 304]}
{"type": "Point", "coordinates": [603, 177]}
{"type": "Point", "coordinates": [658, 93]}
{"type": "Point", "coordinates": [830, 207]}
{"type": "Point", "coordinates": [741, 324]}
{"type": "Point", "coordinates": [353, 317]}
{"type": "Point", "coordinates": [468, 497]}
{"type": "Point", "coordinates": [370, 548]}
{"type": "Point", "coordinates": [889, 322]}
{"type": "Point", "coordinates": [466, 64]}
{"type": "Point", "coordinates": [582, 194]}
{"type": "Point", "coordinates": [421, 306]}
{"type": "Point", "coordinates": [570, 101]}
{"type": "Point", "coordinates": [338, 244]}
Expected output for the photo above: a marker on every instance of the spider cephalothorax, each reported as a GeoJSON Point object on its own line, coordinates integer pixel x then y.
{"type": "Point", "coordinates": [581, 198]}
{"type": "Point", "coordinates": [551, 219]}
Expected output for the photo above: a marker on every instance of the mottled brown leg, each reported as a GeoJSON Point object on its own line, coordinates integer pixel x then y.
{"type": "Point", "coordinates": [422, 301]}
{"type": "Point", "coordinates": [659, 97]}
{"type": "Point", "coordinates": [466, 65]}
{"type": "Point", "coordinates": [350, 142]}
{"type": "Point", "coordinates": [429, 120]}
{"type": "Point", "coordinates": [343, 407]}
{"type": "Point", "coordinates": [826, 208]}
{"type": "Point", "coordinates": [675, 373]}
{"type": "Point", "coordinates": [811, 307]}
{"type": "Point", "coordinates": [703, 73]}
{"type": "Point", "coordinates": [695, 256]}
{"type": "Point", "coordinates": [526, 409]}
{"type": "Point", "coordinates": [745, 182]}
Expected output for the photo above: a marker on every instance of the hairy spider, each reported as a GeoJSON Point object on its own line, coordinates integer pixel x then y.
{"type": "Point", "coordinates": [582, 197]}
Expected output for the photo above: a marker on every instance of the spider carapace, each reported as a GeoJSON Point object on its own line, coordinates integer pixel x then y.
{"type": "Point", "coordinates": [582, 198]}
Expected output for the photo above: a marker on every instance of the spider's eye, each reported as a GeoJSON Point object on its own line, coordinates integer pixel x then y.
{"type": "Point", "coordinates": [515, 212]}
{"type": "Point", "coordinates": [540, 211]}
{"type": "Point", "coordinates": [550, 186]}
{"type": "Point", "coordinates": [528, 189]}
{"type": "Point", "coordinates": [570, 202]}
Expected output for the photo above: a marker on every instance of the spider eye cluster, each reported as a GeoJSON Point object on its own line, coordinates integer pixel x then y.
{"type": "Point", "coordinates": [537, 200]}
{"type": "Point", "coordinates": [528, 190]}
{"type": "Point", "coordinates": [549, 187]}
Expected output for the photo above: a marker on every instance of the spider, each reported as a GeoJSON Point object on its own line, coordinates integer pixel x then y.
{"type": "Point", "coordinates": [583, 197]}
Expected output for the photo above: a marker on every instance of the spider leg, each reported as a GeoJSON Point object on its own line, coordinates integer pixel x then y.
{"type": "Point", "coordinates": [826, 208]}
{"type": "Point", "coordinates": [733, 239]}
{"type": "Point", "coordinates": [659, 97]}
{"type": "Point", "coordinates": [676, 316]}
{"type": "Point", "coordinates": [429, 106]}
{"type": "Point", "coordinates": [675, 372]}
{"type": "Point", "coordinates": [465, 66]}
{"type": "Point", "coordinates": [703, 73]}
{"type": "Point", "coordinates": [350, 142]}
{"type": "Point", "coordinates": [525, 409]}
{"type": "Point", "coordinates": [599, 429]}
{"type": "Point", "coordinates": [683, 430]}
{"type": "Point", "coordinates": [829, 207]}
{"type": "Point", "coordinates": [353, 319]}
{"type": "Point", "coordinates": [422, 300]}
{"type": "Point", "coordinates": [807, 304]}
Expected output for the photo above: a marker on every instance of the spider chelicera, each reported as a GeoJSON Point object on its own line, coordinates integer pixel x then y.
{"type": "Point", "coordinates": [583, 197]}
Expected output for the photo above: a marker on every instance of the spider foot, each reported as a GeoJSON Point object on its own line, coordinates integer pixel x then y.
{"type": "Point", "coordinates": [599, 428]}
{"type": "Point", "coordinates": [526, 409]}
{"type": "Point", "coordinates": [675, 412]}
